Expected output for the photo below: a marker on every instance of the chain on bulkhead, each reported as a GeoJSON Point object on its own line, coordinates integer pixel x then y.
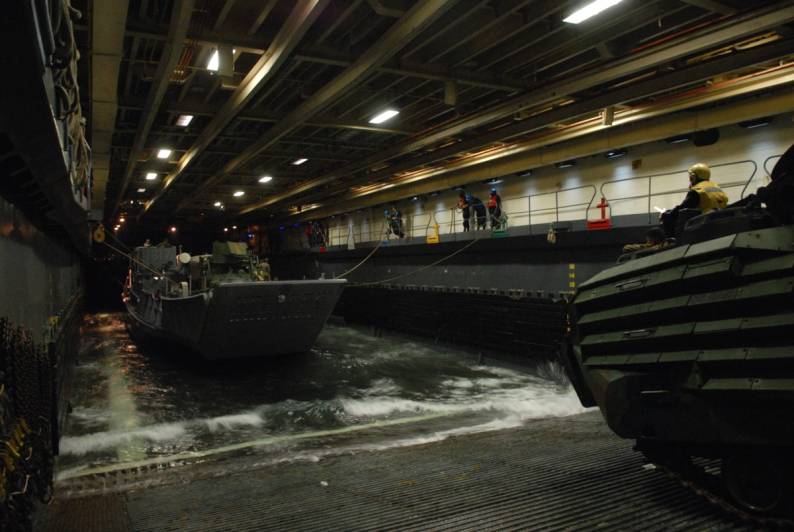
{"type": "Point", "coordinates": [27, 417]}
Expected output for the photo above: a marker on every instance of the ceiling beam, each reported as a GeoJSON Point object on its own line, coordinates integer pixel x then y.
{"type": "Point", "coordinates": [181, 12]}
{"type": "Point", "coordinates": [254, 115]}
{"type": "Point", "coordinates": [654, 85]}
{"type": "Point", "coordinates": [431, 72]}
{"type": "Point", "coordinates": [395, 38]}
{"type": "Point", "coordinates": [564, 145]}
{"type": "Point", "coordinates": [712, 5]}
{"type": "Point", "coordinates": [298, 22]}
{"type": "Point", "coordinates": [260, 19]}
{"type": "Point", "coordinates": [107, 49]}
{"type": "Point", "coordinates": [224, 12]}
{"type": "Point", "coordinates": [334, 57]}
{"type": "Point", "coordinates": [719, 33]}
{"type": "Point", "coordinates": [380, 8]}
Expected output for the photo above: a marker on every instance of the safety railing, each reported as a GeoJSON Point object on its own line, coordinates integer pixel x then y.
{"type": "Point", "coordinates": [662, 191]}
{"type": "Point", "coordinates": [573, 203]}
{"type": "Point", "coordinates": [645, 194]}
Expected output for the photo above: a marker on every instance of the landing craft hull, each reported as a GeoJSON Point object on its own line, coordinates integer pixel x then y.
{"type": "Point", "coordinates": [240, 320]}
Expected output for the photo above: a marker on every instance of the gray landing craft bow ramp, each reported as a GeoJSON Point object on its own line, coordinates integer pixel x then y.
{"type": "Point", "coordinates": [560, 473]}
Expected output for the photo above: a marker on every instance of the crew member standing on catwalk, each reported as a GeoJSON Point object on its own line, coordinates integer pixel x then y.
{"type": "Point", "coordinates": [479, 210]}
{"type": "Point", "coordinates": [495, 209]}
{"type": "Point", "coordinates": [465, 209]}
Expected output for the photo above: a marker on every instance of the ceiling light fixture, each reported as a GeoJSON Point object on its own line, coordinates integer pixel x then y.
{"type": "Point", "coordinates": [214, 62]}
{"type": "Point", "coordinates": [383, 116]}
{"type": "Point", "coordinates": [298, 162]}
{"type": "Point", "coordinates": [678, 139]}
{"type": "Point", "coordinates": [163, 153]}
{"type": "Point", "coordinates": [173, 229]}
{"type": "Point", "coordinates": [615, 154]}
{"type": "Point", "coordinates": [151, 176]}
{"type": "Point", "coordinates": [238, 193]}
{"type": "Point", "coordinates": [758, 122]}
{"type": "Point", "coordinates": [141, 190]}
{"type": "Point", "coordinates": [589, 10]}
{"type": "Point", "coordinates": [265, 179]}
{"type": "Point", "coordinates": [184, 120]}
{"type": "Point", "coordinates": [217, 204]}
{"type": "Point", "coordinates": [566, 164]}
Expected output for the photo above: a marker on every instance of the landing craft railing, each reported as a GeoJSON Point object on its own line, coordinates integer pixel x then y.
{"type": "Point", "coordinates": [657, 190]}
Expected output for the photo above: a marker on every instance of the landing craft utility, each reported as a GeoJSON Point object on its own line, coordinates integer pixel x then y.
{"type": "Point", "coordinates": [218, 305]}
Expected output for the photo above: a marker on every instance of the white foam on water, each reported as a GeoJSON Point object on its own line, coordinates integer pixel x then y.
{"type": "Point", "coordinates": [514, 395]}
{"type": "Point", "coordinates": [98, 441]}
{"type": "Point", "coordinates": [157, 433]}
{"type": "Point", "coordinates": [245, 419]}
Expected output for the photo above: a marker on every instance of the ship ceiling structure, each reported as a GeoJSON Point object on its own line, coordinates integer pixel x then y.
{"type": "Point", "coordinates": [472, 81]}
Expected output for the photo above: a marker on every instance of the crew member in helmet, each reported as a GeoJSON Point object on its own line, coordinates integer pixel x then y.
{"type": "Point", "coordinates": [704, 195]}
{"type": "Point", "coordinates": [495, 209]}
{"type": "Point", "coordinates": [479, 210]}
{"type": "Point", "coordinates": [395, 219]}
{"type": "Point", "coordinates": [464, 206]}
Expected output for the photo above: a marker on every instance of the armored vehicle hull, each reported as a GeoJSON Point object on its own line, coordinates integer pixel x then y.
{"type": "Point", "coordinates": [690, 351]}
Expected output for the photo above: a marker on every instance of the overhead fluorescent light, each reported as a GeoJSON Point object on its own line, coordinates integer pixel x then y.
{"type": "Point", "coordinates": [217, 204]}
{"type": "Point", "coordinates": [173, 229]}
{"type": "Point", "coordinates": [234, 227]}
{"type": "Point", "coordinates": [215, 61]}
{"type": "Point", "coordinates": [615, 154]}
{"type": "Point", "coordinates": [383, 116]}
{"type": "Point", "coordinates": [163, 153]}
{"type": "Point", "coordinates": [265, 179]}
{"type": "Point", "coordinates": [492, 181]}
{"type": "Point", "coordinates": [184, 120]}
{"type": "Point", "coordinates": [525, 173]}
{"type": "Point", "coordinates": [141, 190]}
{"type": "Point", "coordinates": [122, 220]}
{"type": "Point", "coordinates": [415, 198]}
{"type": "Point", "coordinates": [298, 162]}
{"type": "Point", "coordinates": [238, 193]}
{"type": "Point", "coordinates": [589, 10]}
{"type": "Point", "coordinates": [566, 164]}
{"type": "Point", "coordinates": [677, 139]}
{"type": "Point", "coordinates": [151, 176]}
{"type": "Point", "coordinates": [225, 229]}
{"type": "Point", "coordinates": [758, 122]}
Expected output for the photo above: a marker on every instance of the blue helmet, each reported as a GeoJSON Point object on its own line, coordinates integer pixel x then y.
{"type": "Point", "coordinates": [493, 190]}
{"type": "Point", "coordinates": [468, 197]}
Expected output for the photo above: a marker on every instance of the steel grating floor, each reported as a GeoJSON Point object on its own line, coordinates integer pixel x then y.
{"type": "Point", "coordinates": [569, 473]}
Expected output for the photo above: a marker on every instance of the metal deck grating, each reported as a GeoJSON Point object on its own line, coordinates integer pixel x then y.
{"type": "Point", "coordinates": [570, 474]}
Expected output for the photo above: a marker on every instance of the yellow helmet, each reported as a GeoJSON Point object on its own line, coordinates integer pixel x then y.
{"type": "Point", "coordinates": [701, 171]}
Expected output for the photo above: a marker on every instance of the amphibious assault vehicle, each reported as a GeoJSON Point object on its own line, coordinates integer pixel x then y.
{"type": "Point", "coordinates": [689, 349]}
